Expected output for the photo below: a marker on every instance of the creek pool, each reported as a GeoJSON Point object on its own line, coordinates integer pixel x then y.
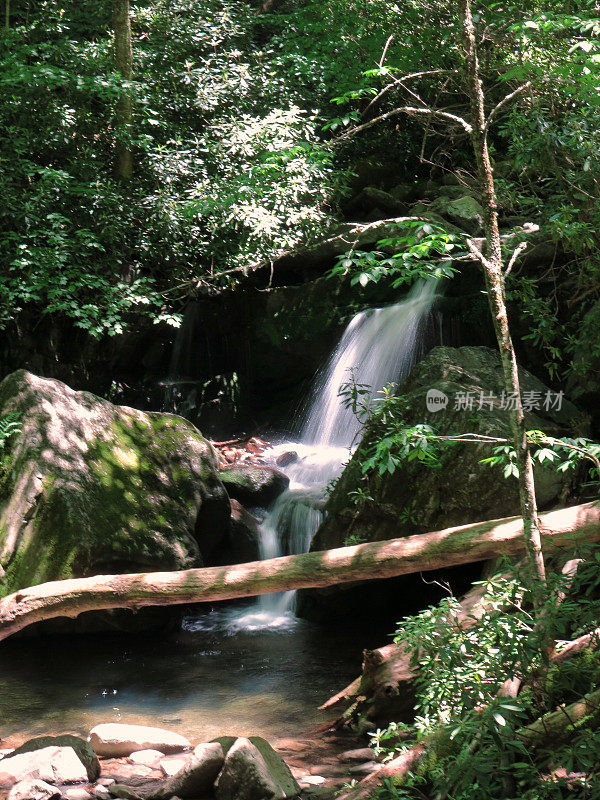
{"type": "Point", "coordinates": [208, 679]}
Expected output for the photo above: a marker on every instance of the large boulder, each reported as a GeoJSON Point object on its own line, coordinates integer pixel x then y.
{"type": "Point", "coordinates": [196, 778]}
{"type": "Point", "coordinates": [115, 740]}
{"type": "Point", "coordinates": [250, 773]}
{"type": "Point", "coordinates": [83, 749]}
{"type": "Point", "coordinates": [416, 498]}
{"type": "Point", "coordinates": [51, 764]}
{"type": "Point", "coordinates": [99, 488]}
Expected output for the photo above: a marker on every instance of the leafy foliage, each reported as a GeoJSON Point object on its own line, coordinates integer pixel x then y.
{"type": "Point", "coordinates": [460, 670]}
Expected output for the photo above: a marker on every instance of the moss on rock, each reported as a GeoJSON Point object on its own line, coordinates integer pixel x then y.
{"type": "Point", "coordinates": [103, 488]}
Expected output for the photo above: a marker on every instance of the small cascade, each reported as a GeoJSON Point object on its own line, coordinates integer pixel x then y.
{"type": "Point", "coordinates": [380, 346]}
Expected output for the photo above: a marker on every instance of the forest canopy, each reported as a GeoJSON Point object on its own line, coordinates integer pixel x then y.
{"type": "Point", "coordinates": [243, 144]}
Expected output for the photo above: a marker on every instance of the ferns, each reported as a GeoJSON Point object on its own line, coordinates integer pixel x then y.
{"type": "Point", "coordinates": [9, 426]}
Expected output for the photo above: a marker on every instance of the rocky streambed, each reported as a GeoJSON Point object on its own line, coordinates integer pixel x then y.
{"type": "Point", "coordinates": [136, 762]}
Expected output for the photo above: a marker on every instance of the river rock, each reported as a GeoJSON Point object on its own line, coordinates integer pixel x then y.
{"type": "Point", "coordinates": [197, 775]}
{"type": "Point", "coordinates": [147, 758]}
{"type": "Point", "coordinates": [84, 750]}
{"type": "Point", "coordinates": [50, 764]}
{"type": "Point", "coordinates": [115, 740]}
{"type": "Point", "coordinates": [33, 790]}
{"type": "Point", "coordinates": [77, 793]}
{"type": "Point", "coordinates": [254, 485]}
{"type": "Point", "coordinates": [100, 488]}
{"type": "Point", "coordinates": [254, 771]}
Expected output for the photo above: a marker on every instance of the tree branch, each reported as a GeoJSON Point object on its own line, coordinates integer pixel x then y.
{"type": "Point", "coordinates": [502, 103]}
{"type": "Point", "coordinates": [407, 110]}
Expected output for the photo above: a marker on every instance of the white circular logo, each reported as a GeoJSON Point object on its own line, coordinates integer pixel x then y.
{"type": "Point", "coordinates": [436, 400]}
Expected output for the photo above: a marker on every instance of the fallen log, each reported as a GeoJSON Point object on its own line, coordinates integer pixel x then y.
{"type": "Point", "coordinates": [450, 547]}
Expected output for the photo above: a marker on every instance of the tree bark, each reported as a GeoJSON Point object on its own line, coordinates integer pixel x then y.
{"type": "Point", "coordinates": [492, 263]}
{"type": "Point", "coordinates": [450, 547]}
{"type": "Point", "coordinates": [123, 65]}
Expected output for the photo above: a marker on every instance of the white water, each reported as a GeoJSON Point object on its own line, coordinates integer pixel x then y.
{"type": "Point", "coordinates": [380, 346]}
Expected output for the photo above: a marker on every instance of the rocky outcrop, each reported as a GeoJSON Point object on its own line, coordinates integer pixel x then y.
{"type": "Point", "coordinates": [417, 498]}
{"type": "Point", "coordinates": [242, 543]}
{"type": "Point", "coordinates": [96, 487]}
{"type": "Point", "coordinates": [196, 777]}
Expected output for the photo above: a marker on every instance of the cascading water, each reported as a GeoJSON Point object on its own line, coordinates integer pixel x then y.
{"type": "Point", "coordinates": [380, 346]}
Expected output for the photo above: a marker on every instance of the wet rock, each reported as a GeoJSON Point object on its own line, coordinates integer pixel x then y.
{"type": "Point", "coordinates": [51, 764]}
{"type": "Point", "coordinates": [83, 749]}
{"type": "Point", "coordinates": [115, 740]}
{"type": "Point", "coordinates": [126, 792]}
{"type": "Point", "coordinates": [287, 458]}
{"type": "Point", "coordinates": [197, 775]}
{"type": "Point", "coordinates": [254, 485]}
{"type": "Point", "coordinates": [248, 775]}
{"type": "Point", "coordinates": [100, 488]}
{"type": "Point", "coordinates": [33, 790]}
{"type": "Point", "coordinates": [148, 758]}
{"type": "Point", "coordinates": [102, 793]}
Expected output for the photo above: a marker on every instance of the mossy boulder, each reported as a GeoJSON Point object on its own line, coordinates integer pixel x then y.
{"type": "Point", "coordinates": [416, 498]}
{"type": "Point", "coordinates": [84, 750]}
{"type": "Point", "coordinates": [99, 488]}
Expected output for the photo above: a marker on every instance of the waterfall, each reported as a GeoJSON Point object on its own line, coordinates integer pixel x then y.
{"type": "Point", "coordinates": [380, 346]}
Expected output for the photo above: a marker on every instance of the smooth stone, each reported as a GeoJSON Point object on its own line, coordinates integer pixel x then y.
{"type": "Point", "coordinates": [106, 781]}
{"type": "Point", "coordinates": [314, 780]}
{"type": "Point", "coordinates": [146, 757]}
{"type": "Point", "coordinates": [198, 774]}
{"type": "Point", "coordinates": [113, 739]}
{"type": "Point", "coordinates": [77, 793]}
{"type": "Point", "coordinates": [102, 793]}
{"type": "Point", "coordinates": [52, 764]}
{"type": "Point", "coordinates": [33, 790]}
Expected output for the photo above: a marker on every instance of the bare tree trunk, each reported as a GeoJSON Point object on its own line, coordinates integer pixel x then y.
{"type": "Point", "coordinates": [7, 15]}
{"type": "Point", "coordinates": [123, 60]}
{"type": "Point", "coordinates": [467, 543]}
{"type": "Point", "coordinates": [492, 262]}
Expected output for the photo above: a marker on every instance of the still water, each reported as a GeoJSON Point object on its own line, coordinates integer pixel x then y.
{"type": "Point", "coordinates": [203, 681]}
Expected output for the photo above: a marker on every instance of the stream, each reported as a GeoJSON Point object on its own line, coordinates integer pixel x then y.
{"type": "Point", "coordinates": [243, 669]}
